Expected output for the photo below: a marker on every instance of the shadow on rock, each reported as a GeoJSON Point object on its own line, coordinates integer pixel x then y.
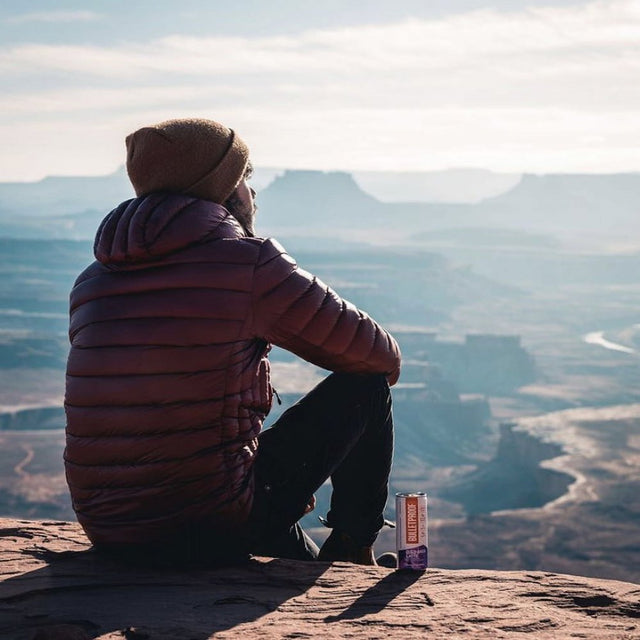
{"type": "Point", "coordinates": [377, 597]}
{"type": "Point", "coordinates": [82, 595]}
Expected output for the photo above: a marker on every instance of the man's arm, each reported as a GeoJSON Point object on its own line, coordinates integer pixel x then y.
{"type": "Point", "coordinates": [298, 312]}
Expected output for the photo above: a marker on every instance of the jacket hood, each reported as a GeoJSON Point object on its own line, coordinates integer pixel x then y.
{"type": "Point", "coordinates": [147, 228]}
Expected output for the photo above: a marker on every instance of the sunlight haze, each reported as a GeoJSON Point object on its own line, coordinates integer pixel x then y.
{"type": "Point", "coordinates": [508, 86]}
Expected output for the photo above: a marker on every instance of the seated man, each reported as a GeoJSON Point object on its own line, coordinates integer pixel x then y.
{"type": "Point", "coordinates": [168, 377]}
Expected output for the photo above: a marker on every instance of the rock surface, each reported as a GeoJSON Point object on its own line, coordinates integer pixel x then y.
{"type": "Point", "coordinates": [54, 588]}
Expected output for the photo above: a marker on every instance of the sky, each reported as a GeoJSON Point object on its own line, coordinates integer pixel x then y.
{"type": "Point", "coordinates": [411, 85]}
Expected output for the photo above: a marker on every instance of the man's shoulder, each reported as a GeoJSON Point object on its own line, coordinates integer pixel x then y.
{"type": "Point", "coordinates": [268, 249]}
{"type": "Point", "coordinates": [266, 242]}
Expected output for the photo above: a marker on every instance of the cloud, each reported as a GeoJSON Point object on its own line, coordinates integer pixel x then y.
{"type": "Point", "coordinates": [85, 99]}
{"type": "Point", "coordinates": [541, 89]}
{"type": "Point", "coordinates": [54, 16]}
{"type": "Point", "coordinates": [558, 40]}
{"type": "Point", "coordinates": [583, 58]}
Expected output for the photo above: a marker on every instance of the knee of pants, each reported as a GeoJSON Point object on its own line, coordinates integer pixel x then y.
{"type": "Point", "coordinates": [373, 387]}
{"type": "Point", "coordinates": [365, 382]}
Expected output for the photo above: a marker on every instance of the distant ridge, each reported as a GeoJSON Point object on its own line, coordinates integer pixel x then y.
{"type": "Point", "coordinates": [557, 201]}
{"type": "Point", "coordinates": [333, 204]}
{"type": "Point", "coordinates": [316, 197]}
{"type": "Point", "coordinates": [64, 195]}
{"type": "Point", "coordinates": [451, 185]}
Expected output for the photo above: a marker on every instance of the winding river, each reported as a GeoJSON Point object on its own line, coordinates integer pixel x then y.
{"type": "Point", "coordinates": [597, 338]}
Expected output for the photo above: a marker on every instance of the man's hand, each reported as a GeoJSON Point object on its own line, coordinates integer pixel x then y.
{"type": "Point", "coordinates": [311, 506]}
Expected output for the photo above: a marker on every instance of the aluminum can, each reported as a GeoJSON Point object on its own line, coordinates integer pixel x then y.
{"type": "Point", "coordinates": [412, 537]}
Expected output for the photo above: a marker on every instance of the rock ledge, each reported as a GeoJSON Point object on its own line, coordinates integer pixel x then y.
{"type": "Point", "coordinates": [54, 589]}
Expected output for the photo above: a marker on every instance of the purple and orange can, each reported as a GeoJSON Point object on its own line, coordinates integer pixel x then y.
{"type": "Point", "coordinates": [412, 536]}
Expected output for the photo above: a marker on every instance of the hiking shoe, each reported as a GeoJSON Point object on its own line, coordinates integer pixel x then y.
{"type": "Point", "coordinates": [340, 547]}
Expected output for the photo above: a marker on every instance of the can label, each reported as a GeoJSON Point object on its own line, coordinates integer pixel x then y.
{"type": "Point", "coordinates": [412, 538]}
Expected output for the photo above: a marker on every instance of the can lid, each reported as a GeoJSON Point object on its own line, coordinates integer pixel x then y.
{"type": "Point", "coordinates": [413, 494]}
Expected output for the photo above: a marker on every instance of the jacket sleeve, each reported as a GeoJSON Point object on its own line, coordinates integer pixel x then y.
{"type": "Point", "coordinates": [298, 312]}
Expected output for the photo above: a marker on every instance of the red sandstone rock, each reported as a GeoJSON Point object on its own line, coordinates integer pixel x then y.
{"type": "Point", "coordinates": [54, 589]}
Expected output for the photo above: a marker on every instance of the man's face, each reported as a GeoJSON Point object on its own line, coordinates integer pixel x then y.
{"type": "Point", "coordinates": [246, 195]}
{"type": "Point", "coordinates": [241, 205]}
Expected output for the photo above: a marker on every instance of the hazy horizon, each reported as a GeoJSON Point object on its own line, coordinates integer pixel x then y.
{"type": "Point", "coordinates": [450, 169]}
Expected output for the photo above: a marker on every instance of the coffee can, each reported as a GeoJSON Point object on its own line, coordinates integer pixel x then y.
{"type": "Point", "coordinates": [412, 537]}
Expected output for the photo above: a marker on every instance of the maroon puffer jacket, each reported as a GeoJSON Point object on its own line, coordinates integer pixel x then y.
{"type": "Point", "coordinates": [167, 377]}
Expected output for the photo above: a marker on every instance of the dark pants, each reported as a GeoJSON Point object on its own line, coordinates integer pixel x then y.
{"type": "Point", "coordinates": [342, 429]}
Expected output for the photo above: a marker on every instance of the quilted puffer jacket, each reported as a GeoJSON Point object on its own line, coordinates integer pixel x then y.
{"type": "Point", "coordinates": [167, 377]}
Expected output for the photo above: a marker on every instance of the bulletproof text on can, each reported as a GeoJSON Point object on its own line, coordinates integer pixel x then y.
{"type": "Point", "coordinates": [412, 538]}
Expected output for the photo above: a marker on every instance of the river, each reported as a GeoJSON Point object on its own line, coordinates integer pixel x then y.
{"type": "Point", "coordinates": [597, 338]}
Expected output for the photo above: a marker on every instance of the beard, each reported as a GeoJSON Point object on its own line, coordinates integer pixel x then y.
{"type": "Point", "coordinates": [243, 213]}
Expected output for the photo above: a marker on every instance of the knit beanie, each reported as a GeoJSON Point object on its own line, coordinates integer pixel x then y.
{"type": "Point", "coordinates": [198, 157]}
